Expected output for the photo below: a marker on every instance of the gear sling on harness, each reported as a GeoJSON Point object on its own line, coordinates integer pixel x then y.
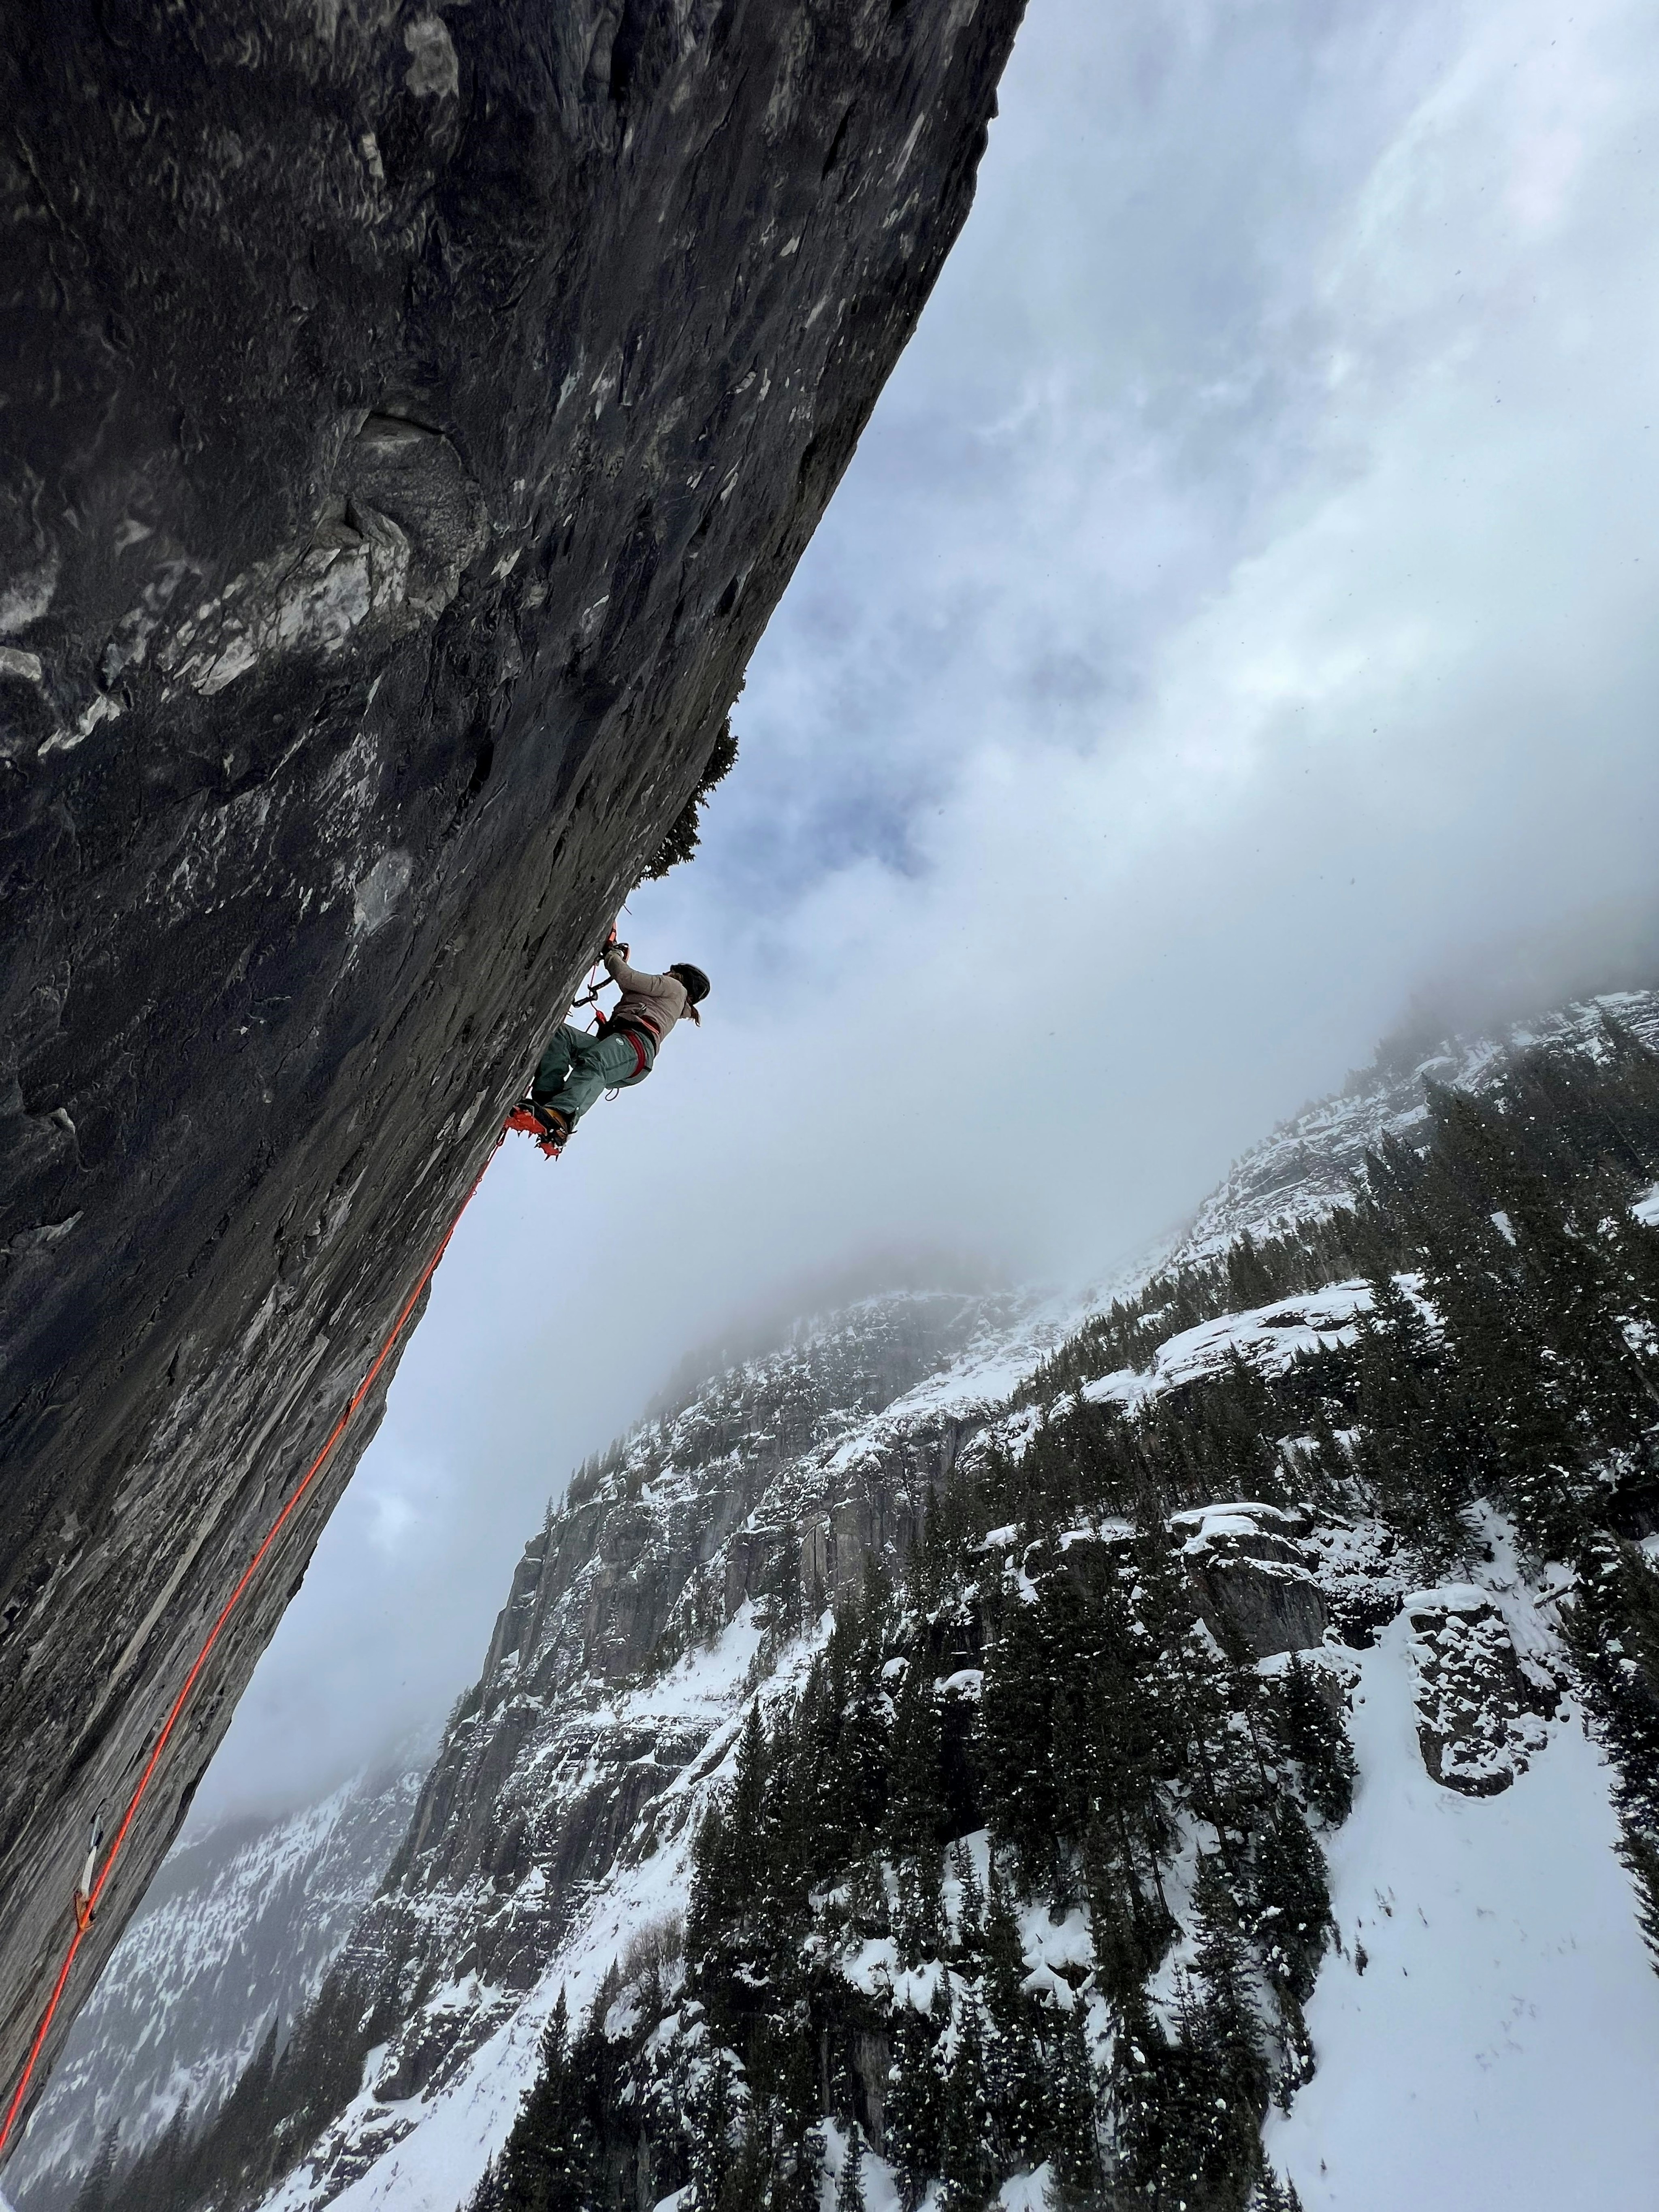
{"type": "Point", "coordinates": [86, 1896]}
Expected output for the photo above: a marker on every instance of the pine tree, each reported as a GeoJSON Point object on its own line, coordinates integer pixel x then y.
{"type": "Point", "coordinates": [551, 2161]}
{"type": "Point", "coordinates": [94, 2194]}
{"type": "Point", "coordinates": [1640, 1852]}
{"type": "Point", "coordinates": [849, 2189]}
{"type": "Point", "coordinates": [1016, 2077]}
{"type": "Point", "coordinates": [710, 1905]}
{"type": "Point", "coordinates": [914, 2109]}
{"type": "Point", "coordinates": [1015, 1736]}
{"type": "Point", "coordinates": [1273, 2195]}
{"type": "Point", "coordinates": [1313, 1735]}
{"type": "Point", "coordinates": [1223, 2031]}
{"type": "Point", "coordinates": [921, 1910]}
{"type": "Point", "coordinates": [711, 2135]}
{"type": "Point", "coordinates": [1004, 1953]}
{"type": "Point", "coordinates": [749, 2175]}
{"type": "Point", "coordinates": [970, 1908]}
{"type": "Point", "coordinates": [1422, 1461]}
{"type": "Point", "coordinates": [1293, 1900]}
{"type": "Point", "coordinates": [1144, 2097]}
{"type": "Point", "coordinates": [167, 2163]}
{"type": "Point", "coordinates": [747, 1857]}
{"type": "Point", "coordinates": [1612, 1629]}
{"type": "Point", "coordinates": [682, 838]}
{"type": "Point", "coordinates": [489, 2195]}
{"type": "Point", "coordinates": [1074, 2138]}
{"type": "Point", "coordinates": [914, 1797]}
{"type": "Point", "coordinates": [1119, 1962]}
{"type": "Point", "coordinates": [868, 1908]}
{"type": "Point", "coordinates": [966, 2162]}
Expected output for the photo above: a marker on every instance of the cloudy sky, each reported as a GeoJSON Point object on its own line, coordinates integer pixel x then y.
{"type": "Point", "coordinates": [1238, 624]}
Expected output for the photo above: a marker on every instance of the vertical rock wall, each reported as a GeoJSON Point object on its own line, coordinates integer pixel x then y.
{"type": "Point", "coordinates": [412, 415]}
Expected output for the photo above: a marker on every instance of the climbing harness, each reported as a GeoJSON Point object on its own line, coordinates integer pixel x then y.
{"type": "Point", "coordinates": [637, 1033]}
{"type": "Point", "coordinates": [95, 1878]}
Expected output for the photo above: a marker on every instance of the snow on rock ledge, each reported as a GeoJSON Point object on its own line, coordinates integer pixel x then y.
{"type": "Point", "coordinates": [1268, 1337]}
{"type": "Point", "coordinates": [1251, 1576]}
{"type": "Point", "coordinates": [1474, 1727]}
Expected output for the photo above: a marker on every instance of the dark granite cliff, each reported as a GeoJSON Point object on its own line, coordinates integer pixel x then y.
{"type": "Point", "coordinates": [411, 417]}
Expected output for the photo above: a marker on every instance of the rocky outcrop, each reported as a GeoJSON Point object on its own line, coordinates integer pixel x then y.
{"type": "Point", "coordinates": [413, 413]}
{"type": "Point", "coordinates": [1251, 1578]}
{"type": "Point", "coordinates": [1478, 1715]}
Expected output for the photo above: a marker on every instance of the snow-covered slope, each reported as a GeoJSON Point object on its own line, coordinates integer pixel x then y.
{"type": "Point", "coordinates": [1488, 2034]}
{"type": "Point", "coordinates": [639, 1621]}
{"type": "Point", "coordinates": [1485, 2032]}
{"type": "Point", "coordinates": [694, 1571]}
{"type": "Point", "coordinates": [237, 1928]}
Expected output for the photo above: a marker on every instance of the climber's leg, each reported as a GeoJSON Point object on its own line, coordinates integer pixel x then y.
{"type": "Point", "coordinates": [558, 1060]}
{"type": "Point", "coordinates": [594, 1064]}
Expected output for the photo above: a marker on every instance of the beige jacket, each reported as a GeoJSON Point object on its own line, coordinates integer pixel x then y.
{"type": "Point", "coordinates": [657, 1000]}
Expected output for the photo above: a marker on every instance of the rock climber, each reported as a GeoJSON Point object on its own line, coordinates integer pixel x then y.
{"type": "Point", "coordinates": [579, 1064]}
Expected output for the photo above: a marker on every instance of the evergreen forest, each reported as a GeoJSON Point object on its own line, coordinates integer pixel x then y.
{"type": "Point", "coordinates": [1028, 1721]}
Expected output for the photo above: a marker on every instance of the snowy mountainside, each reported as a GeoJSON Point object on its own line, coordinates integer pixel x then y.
{"type": "Point", "coordinates": [1313, 1161]}
{"type": "Point", "coordinates": [238, 1926]}
{"type": "Point", "coordinates": [694, 1587]}
{"type": "Point", "coordinates": [1472, 1750]}
{"type": "Point", "coordinates": [669, 1584]}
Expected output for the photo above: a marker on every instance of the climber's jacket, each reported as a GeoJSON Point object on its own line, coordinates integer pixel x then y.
{"type": "Point", "coordinates": [651, 1003]}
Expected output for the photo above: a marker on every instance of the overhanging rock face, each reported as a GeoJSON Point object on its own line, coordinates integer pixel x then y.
{"type": "Point", "coordinates": [411, 417]}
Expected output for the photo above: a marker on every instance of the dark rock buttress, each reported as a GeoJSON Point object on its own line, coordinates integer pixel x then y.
{"type": "Point", "coordinates": [411, 416]}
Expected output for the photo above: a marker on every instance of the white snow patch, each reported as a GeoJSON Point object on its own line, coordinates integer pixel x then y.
{"type": "Point", "coordinates": [1026, 2192]}
{"type": "Point", "coordinates": [1447, 1597]}
{"type": "Point", "coordinates": [1269, 1337]}
{"type": "Point", "coordinates": [1499, 2049]}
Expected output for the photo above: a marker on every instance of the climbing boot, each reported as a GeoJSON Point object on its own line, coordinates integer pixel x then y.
{"type": "Point", "coordinates": [555, 1130]}
{"type": "Point", "coordinates": [544, 1123]}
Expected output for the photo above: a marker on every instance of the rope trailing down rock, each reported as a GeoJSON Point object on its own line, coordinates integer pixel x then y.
{"type": "Point", "coordinates": [86, 1897]}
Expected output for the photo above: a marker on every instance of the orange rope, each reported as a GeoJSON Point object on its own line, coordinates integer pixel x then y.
{"type": "Point", "coordinates": [213, 1635]}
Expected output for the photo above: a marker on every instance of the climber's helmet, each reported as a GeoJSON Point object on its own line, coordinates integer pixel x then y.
{"type": "Point", "coordinates": [695, 983]}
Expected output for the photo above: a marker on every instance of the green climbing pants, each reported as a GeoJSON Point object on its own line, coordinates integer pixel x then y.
{"type": "Point", "coordinates": [576, 1067]}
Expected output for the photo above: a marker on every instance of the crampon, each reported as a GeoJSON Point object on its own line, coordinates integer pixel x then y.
{"type": "Point", "coordinates": [548, 1130]}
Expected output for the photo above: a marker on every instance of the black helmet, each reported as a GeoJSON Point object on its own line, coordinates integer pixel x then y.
{"type": "Point", "coordinates": [695, 983]}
